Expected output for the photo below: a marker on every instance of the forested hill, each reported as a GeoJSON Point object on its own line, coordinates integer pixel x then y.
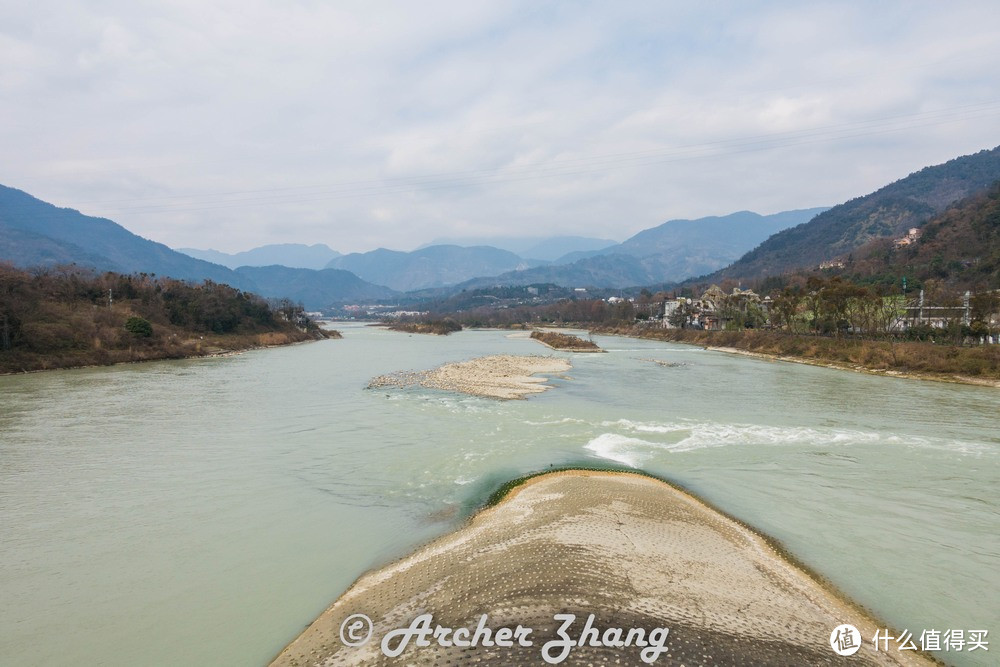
{"type": "Point", "coordinates": [887, 212]}
{"type": "Point", "coordinates": [958, 249]}
{"type": "Point", "coordinates": [73, 317]}
{"type": "Point", "coordinates": [313, 289]}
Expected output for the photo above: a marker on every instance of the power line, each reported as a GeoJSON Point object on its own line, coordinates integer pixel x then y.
{"type": "Point", "coordinates": [872, 126]}
{"type": "Point", "coordinates": [567, 167]}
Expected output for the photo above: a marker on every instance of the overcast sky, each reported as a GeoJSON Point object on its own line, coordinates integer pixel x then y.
{"type": "Point", "coordinates": [364, 124]}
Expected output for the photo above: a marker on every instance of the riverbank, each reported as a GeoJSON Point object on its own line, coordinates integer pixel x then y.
{"type": "Point", "coordinates": [633, 551]}
{"type": "Point", "coordinates": [979, 365]}
{"type": "Point", "coordinates": [503, 377]}
{"type": "Point", "coordinates": [178, 348]}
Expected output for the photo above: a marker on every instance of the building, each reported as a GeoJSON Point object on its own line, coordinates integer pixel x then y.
{"type": "Point", "coordinates": [911, 237]}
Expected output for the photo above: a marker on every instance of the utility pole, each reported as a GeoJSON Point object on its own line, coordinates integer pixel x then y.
{"type": "Point", "coordinates": [110, 300]}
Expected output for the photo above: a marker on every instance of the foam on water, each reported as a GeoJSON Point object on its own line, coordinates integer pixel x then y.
{"type": "Point", "coordinates": [555, 422]}
{"type": "Point", "coordinates": [614, 447]}
{"type": "Point", "coordinates": [685, 435]}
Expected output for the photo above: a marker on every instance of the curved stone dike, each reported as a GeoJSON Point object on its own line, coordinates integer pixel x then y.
{"type": "Point", "coordinates": [634, 552]}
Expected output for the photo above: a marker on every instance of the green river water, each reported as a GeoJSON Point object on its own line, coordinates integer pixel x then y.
{"type": "Point", "coordinates": [203, 512]}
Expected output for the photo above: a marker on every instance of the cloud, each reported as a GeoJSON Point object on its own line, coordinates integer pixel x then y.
{"type": "Point", "coordinates": [229, 125]}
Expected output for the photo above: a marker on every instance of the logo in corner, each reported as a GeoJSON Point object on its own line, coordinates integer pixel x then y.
{"type": "Point", "coordinates": [845, 640]}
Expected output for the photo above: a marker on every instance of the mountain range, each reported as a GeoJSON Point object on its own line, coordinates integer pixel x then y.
{"type": "Point", "coordinates": [433, 266]}
{"type": "Point", "coordinates": [669, 252]}
{"type": "Point", "coordinates": [550, 249]}
{"type": "Point", "coordinates": [35, 233]}
{"type": "Point", "coordinates": [430, 266]}
{"type": "Point", "coordinates": [887, 212]}
{"type": "Point", "coordinates": [293, 255]}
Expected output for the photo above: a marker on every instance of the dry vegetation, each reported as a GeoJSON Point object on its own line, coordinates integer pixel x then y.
{"type": "Point", "coordinates": [904, 357]}
{"type": "Point", "coordinates": [71, 317]}
{"type": "Point", "coordinates": [436, 327]}
{"type": "Point", "coordinates": [559, 341]}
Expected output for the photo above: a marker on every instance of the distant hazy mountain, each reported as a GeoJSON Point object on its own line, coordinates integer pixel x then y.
{"type": "Point", "coordinates": [315, 289]}
{"type": "Point", "coordinates": [295, 255]}
{"type": "Point", "coordinates": [556, 247]}
{"type": "Point", "coordinates": [889, 211]}
{"type": "Point", "coordinates": [548, 249]}
{"type": "Point", "coordinates": [601, 271]}
{"type": "Point", "coordinates": [670, 252]}
{"type": "Point", "coordinates": [576, 255]}
{"type": "Point", "coordinates": [35, 233]}
{"type": "Point", "coordinates": [433, 266]}
{"type": "Point", "coordinates": [714, 238]}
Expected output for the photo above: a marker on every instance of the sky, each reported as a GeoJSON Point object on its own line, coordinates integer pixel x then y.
{"type": "Point", "coordinates": [233, 124]}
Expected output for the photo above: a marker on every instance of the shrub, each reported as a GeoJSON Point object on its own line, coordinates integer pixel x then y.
{"type": "Point", "coordinates": [564, 341]}
{"type": "Point", "coordinates": [139, 327]}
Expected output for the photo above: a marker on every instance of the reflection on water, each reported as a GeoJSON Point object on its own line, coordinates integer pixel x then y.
{"type": "Point", "coordinates": [204, 511]}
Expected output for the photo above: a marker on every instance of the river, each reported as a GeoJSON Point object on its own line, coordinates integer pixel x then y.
{"type": "Point", "coordinates": [202, 512]}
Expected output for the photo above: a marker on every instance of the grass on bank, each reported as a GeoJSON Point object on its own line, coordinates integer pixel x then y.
{"type": "Point", "coordinates": [913, 357]}
{"type": "Point", "coordinates": [504, 489]}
